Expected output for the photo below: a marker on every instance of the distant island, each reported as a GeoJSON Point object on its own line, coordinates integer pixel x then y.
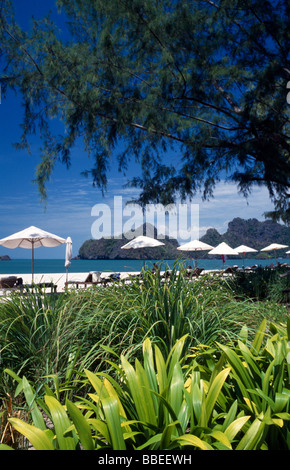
{"type": "Point", "coordinates": [5, 258]}
{"type": "Point", "coordinates": [251, 232]}
{"type": "Point", "coordinates": [110, 248]}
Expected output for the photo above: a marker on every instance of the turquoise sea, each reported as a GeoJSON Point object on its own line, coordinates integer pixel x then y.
{"type": "Point", "coordinates": [23, 266]}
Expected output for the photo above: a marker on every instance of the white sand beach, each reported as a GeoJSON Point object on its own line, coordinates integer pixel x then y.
{"type": "Point", "coordinates": [59, 279]}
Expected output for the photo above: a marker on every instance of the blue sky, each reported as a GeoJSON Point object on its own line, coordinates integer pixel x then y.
{"type": "Point", "coordinates": [71, 197]}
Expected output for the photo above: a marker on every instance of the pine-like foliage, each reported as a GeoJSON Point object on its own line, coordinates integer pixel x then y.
{"type": "Point", "coordinates": [193, 90]}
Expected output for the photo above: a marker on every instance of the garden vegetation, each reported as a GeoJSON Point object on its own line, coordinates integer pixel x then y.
{"type": "Point", "coordinates": [154, 364]}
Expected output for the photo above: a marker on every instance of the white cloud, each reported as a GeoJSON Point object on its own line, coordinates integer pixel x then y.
{"type": "Point", "coordinates": [228, 204]}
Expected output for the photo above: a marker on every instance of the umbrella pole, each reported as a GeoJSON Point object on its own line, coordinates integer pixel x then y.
{"type": "Point", "coordinates": [32, 262]}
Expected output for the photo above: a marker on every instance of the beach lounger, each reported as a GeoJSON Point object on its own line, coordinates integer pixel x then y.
{"type": "Point", "coordinates": [11, 282]}
{"type": "Point", "coordinates": [251, 269]}
{"type": "Point", "coordinates": [190, 273]}
{"type": "Point", "coordinates": [166, 274]}
{"type": "Point", "coordinates": [231, 269]}
{"type": "Point", "coordinates": [287, 274]}
{"type": "Point", "coordinates": [114, 277]}
{"type": "Point", "coordinates": [94, 277]}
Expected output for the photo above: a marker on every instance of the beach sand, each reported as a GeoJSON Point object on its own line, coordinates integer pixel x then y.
{"type": "Point", "coordinates": [58, 279]}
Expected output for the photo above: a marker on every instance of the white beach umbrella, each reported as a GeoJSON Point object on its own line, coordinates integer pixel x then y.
{"type": "Point", "coordinates": [223, 249]}
{"type": "Point", "coordinates": [245, 249]}
{"type": "Point", "coordinates": [274, 247]}
{"type": "Point", "coordinates": [30, 238]}
{"type": "Point", "coordinates": [195, 245]}
{"type": "Point", "coordinates": [142, 242]}
{"type": "Point", "coordinates": [68, 255]}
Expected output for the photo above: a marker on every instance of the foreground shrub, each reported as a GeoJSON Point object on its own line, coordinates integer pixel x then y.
{"type": "Point", "coordinates": [60, 335]}
{"type": "Point", "coordinates": [43, 335]}
{"type": "Point", "coordinates": [233, 397]}
{"type": "Point", "coordinates": [34, 335]}
{"type": "Point", "coordinates": [165, 310]}
{"type": "Point", "coordinates": [264, 283]}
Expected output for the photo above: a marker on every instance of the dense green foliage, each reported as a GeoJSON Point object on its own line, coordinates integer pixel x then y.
{"type": "Point", "coordinates": [263, 284]}
{"type": "Point", "coordinates": [193, 91]}
{"type": "Point", "coordinates": [150, 364]}
{"type": "Point", "coordinates": [224, 398]}
{"type": "Point", "coordinates": [45, 335]}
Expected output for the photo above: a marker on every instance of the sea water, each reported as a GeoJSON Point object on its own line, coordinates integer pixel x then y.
{"type": "Point", "coordinates": [43, 266]}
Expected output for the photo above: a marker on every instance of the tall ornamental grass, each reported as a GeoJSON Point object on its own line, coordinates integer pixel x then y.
{"type": "Point", "coordinates": [167, 309]}
{"type": "Point", "coordinates": [31, 329]}
{"type": "Point", "coordinates": [58, 335]}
